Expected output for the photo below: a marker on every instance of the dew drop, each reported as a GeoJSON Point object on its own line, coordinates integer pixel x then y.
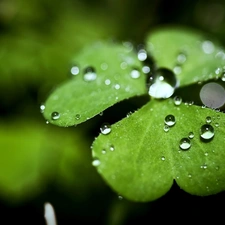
{"type": "Point", "coordinates": [105, 128]}
{"type": "Point", "coordinates": [107, 82]}
{"type": "Point", "coordinates": [207, 47]}
{"type": "Point", "coordinates": [212, 95]}
{"type": "Point", "coordinates": [177, 70]}
{"type": "Point", "coordinates": [189, 175]}
{"type": "Point", "coordinates": [47, 122]}
{"type": "Point", "coordinates": [181, 58]}
{"type": "Point", "coordinates": [90, 74]}
{"type": "Point", "coordinates": [42, 108]}
{"type": "Point", "coordinates": [135, 74]}
{"type": "Point", "coordinates": [104, 66]}
{"type": "Point", "coordinates": [206, 153]}
{"type": "Point", "coordinates": [191, 135]}
{"type": "Point", "coordinates": [177, 100]}
{"type": "Point", "coordinates": [204, 166]}
{"type": "Point", "coordinates": [112, 148]}
{"type": "Point", "coordinates": [217, 167]}
{"type": "Point", "coordinates": [207, 132]}
{"type": "Point", "coordinates": [78, 116]}
{"type": "Point", "coordinates": [162, 83]}
{"type": "Point", "coordinates": [166, 128]}
{"type": "Point", "coordinates": [163, 158]}
{"type": "Point", "coordinates": [142, 55]}
{"type": "Point", "coordinates": [101, 114]}
{"type": "Point", "coordinates": [185, 143]}
{"type": "Point", "coordinates": [146, 69]}
{"type": "Point", "coordinates": [170, 120]}
{"type": "Point", "coordinates": [120, 197]}
{"type": "Point", "coordinates": [96, 162]}
{"type": "Point", "coordinates": [103, 151]}
{"type": "Point", "coordinates": [223, 76]}
{"type": "Point", "coordinates": [55, 116]}
{"type": "Point", "coordinates": [74, 70]}
{"type": "Point", "coordinates": [216, 124]}
{"type": "Point", "coordinates": [208, 119]}
{"type": "Point", "coordinates": [123, 65]}
{"type": "Point", "coordinates": [117, 86]}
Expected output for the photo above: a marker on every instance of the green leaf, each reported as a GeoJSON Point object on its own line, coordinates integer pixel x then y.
{"type": "Point", "coordinates": [77, 99]}
{"type": "Point", "coordinates": [191, 55]}
{"type": "Point", "coordinates": [146, 159]}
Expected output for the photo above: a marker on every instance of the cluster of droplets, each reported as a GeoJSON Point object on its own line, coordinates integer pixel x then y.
{"type": "Point", "coordinates": [169, 121]}
{"type": "Point", "coordinates": [180, 60]}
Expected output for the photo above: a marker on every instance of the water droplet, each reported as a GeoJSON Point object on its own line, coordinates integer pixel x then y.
{"type": "Point", "coordinates": [74, 70]}
{"type": "Point", "coordinates": [142, 55]}
{"type": "Point", "coordinates": [78, 116]}
{"type": "Point", "coordinates": [120, 197]}
{"type": "Point", "coordinates": [206, 153]}
{"type": "Point", "coordinates": [208, 47]}
{"type": "Point", "coordinates": [191, 135]}
{"type": "Point", "coordinates": [146, 69]}
{"type": "Point", "coordinates": [189, 175]}
{"type": "Point", "coordinates": [170, 120]}
{"type": "Point", "coordinates": [135, 74]}
{"type": "Point", "coordinates": [217, 167]}
{"type": "Point", "coordinates": [185, 143]}
{"type": "Point", "coordinates": [101, 114]}
{"type": "Point", "coordinates": [163, 158]}
{"type": "Point", "coordinates": [42, 108]}
{"type": "Point", "coordinates": [166, 128]}
{"type": "Point", "coordinates": [212, 95]}
{"type": "Point", "coordinates": [112, 148]}
{"type": "Point", "coordinates": [181, 58]}
{"type": "Point", "coordinates": [223, 76]}
{"type": "Point", "coordinates": [47, 122]}
{"type": "Point", "coordinates": [204, 166]}
{"type": "Point", "coordinates": [177, 100]}
{"type": "Point", "coordinates": [208, 119]}
{"type": "Point", "coordinates": [105, 128]}
{"type": "Point", "coordinates": [103, 151]}
{"type": "Point", "coordinates": [162, 83]}
{"type": "Point", "coordinates": [55, 115]}
{"type": "Point", "coordinates": [128, 45]}
{"type": "Point", "coordinates": [207, 132]}
{"type": "Point", "coordinates": [123, 65]}
{"type": "Point", "coordinates": [177, 70]}
{"type": "Point", "coordinates": [129, 114]}
{"type": "Point", "coordinates": [216, 124]}
{"type": "Point", "coordinates": [117, 86]}
{"type": "Point", "coordinates": [96, 162]}
{"type": "Point", "coordinates": [104, 66]}
{"type": "Point", "coordinates": [90, 74]}
{"type": "Point", "coordinates": [107, 82]}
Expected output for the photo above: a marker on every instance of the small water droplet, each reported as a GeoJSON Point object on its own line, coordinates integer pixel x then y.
{"type": "Point", "coordinates": [223, 76]}
{"type": "Point", "coordinates": [142, 55]}
{"type": "Point", "coordinates": [74, 70]}
{"type": "Point", "coordinates": [104, 66]}
{"type": "Point", "coordinates": [208, 119]}
{"type": "Point", "coordinates": [162, 83]}
{"type": "Point", "coordinates": [177, 100]}
{"type": "Point", "coordinates": [170, 120]}
{"type": "Point", "coordinates": [96, 162]}
{"type": "Point", "coordinates": [217, 167]}
{"type": "Point", "coordinates": [55, 116]}
{"type": "Point", "coordinates": [47, 122]}
{"type": "Point", "coordinates": [207, 47]}
{"type": "Point", "coordinates": [163, 158]}
{"type": "Point", "coordinates": [107, 82]}
{"type": "Point", "coordinates": [189, 175]}
{"type": "Point", "coordinates": [42, 108]}
{"type": "Point", "coordinates": [117, 86]}
{"type": "Point", "coordinates": [129, 114]}
{"type": "Point", "coordinates": [112, 148]}
{"type": "Point", "coordinates": [120, 197]}
{"type": "Point", "coordinates": [181, 58]}
{"type": "Point", "coordinates": [105, 128]}
{"type": "Point", "coordinates": [146, 69]}
{"type": "Point", "coordinates": [166, 128]}
{"type": "Point", "coordinates": [216, 124]}
{"type": "Point", "coordinates": [191, 135]}
{"type": "Point", "coordinates": [103, 151]}
{"type": "Point", "coordinates": [101, 114]}
{"type": "Point", "coordinates": [123, 65]}
{"type": "Point", "coordinates": [185, 143]}
{"type": "Point", "coordinates": [204, 166]}
{"type": "Point", "coordinates": [206, 153]}
{"type": "Point", "coordinates": [177, 70]}
{"type": "Point", "coordinates": [135, 74]}
{"type": "Point", "coordinates": [90, 74]}
{"type": "Point", "coordinates": [207, 132]}
{"type": "Point", "coordinates": [78, 116]}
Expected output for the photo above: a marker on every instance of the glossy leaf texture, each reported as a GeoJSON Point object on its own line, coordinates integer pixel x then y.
{"type": "Point", "coordinates": [141, 158]}
{"type": "Point", "coordinates": [102, 75]}
{"type": "Point", "coordinates": [191, 55]}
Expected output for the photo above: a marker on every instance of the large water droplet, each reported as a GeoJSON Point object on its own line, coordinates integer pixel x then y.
{"type": "Point", "coordinates": [212, 95]}
{"type": "Point", "coordinates": [162, 83]}
{"type": "Point", "coordinates": [170, 120]}
{"type": "Point", "coordinates": [96, 162]}
{"type": "Point", "coordinates": [90, 74]}
{"type": "Point", "coordinates": [55, 115]}
{"type": "Point", "coordinates": [185, 143]}
{"type": "Point", "coordinates": [105, 128]}
{"type": "Point", "coordinates": [207, 132]}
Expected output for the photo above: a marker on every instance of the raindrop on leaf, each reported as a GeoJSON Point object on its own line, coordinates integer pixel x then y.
{"type": "Point", "coordinates": [105, 128]}
{"type": "Point", "coordinates": [185, 143]}
{"type": "Point", "coordinates": [55, 116]}
{"type": "Point", "coordinates": [207, 132]}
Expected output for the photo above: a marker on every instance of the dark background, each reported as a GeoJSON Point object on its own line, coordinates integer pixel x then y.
{"type": "Point", "coordinates": [38, 39]}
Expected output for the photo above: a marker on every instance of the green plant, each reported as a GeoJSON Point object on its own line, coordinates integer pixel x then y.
{"type": "Point", "coordinates": [172, 137]}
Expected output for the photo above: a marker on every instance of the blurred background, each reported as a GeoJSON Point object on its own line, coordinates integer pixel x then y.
{"type": "Point", "coordinates": [42, 163]}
